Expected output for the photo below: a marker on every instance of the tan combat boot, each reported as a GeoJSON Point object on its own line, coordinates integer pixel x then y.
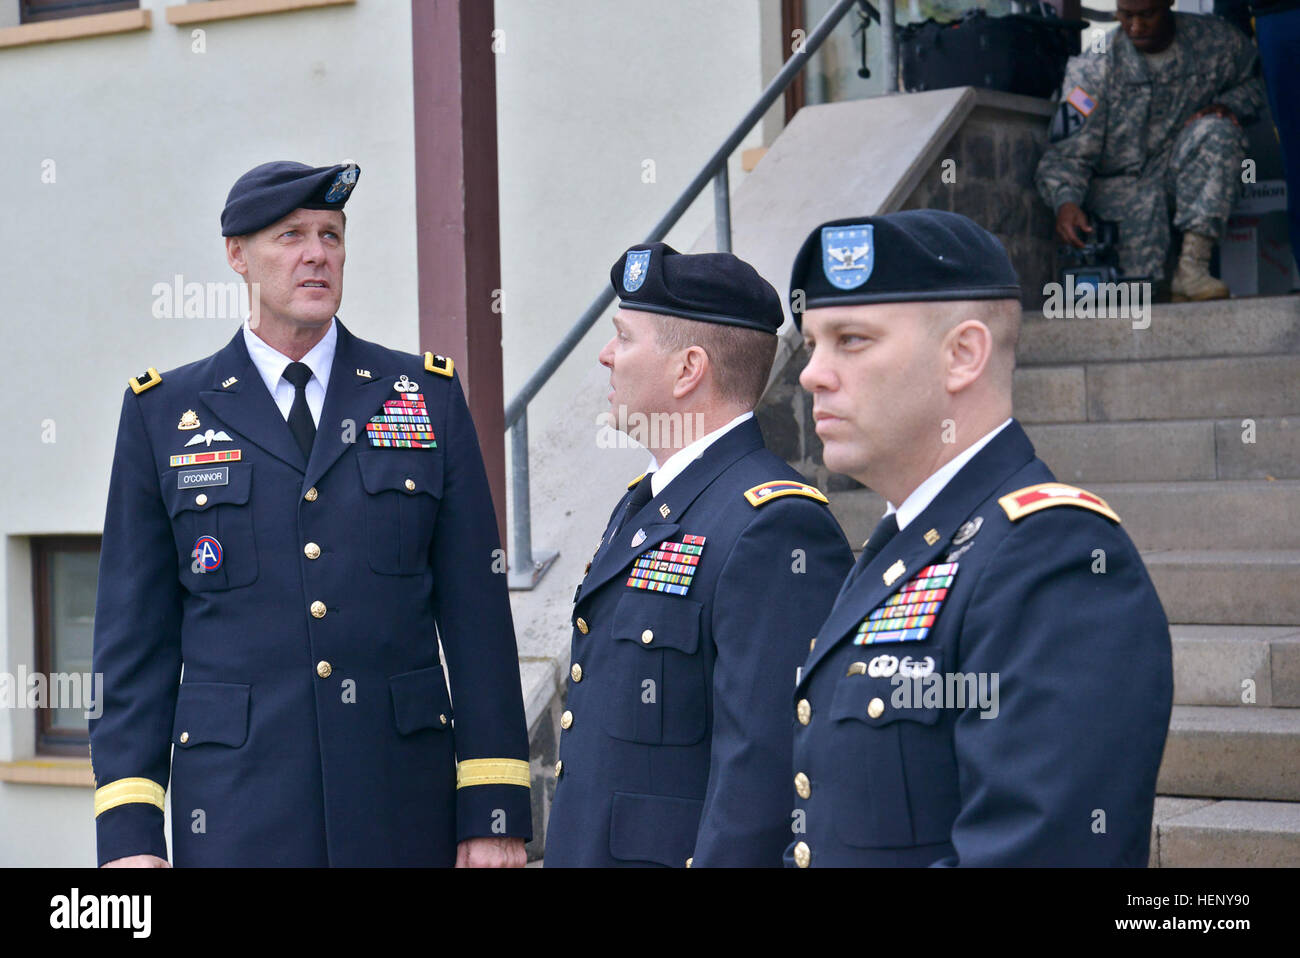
{"type": "Point", "coordinates": [1192, 281]}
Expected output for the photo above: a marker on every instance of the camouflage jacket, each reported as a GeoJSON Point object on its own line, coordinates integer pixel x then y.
{"type": "Point", "coordinates": [1116, 120]}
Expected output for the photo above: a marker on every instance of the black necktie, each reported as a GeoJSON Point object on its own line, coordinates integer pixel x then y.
{"type": "Point", "coordinates": [640, 496]}
{"type": "Point", "coordinates": [301, 424]}
{"type": "Point", "coordinates": [885, 530]}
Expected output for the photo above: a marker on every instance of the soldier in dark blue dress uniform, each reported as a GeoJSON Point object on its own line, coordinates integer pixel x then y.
{"type": "Point", "coordinates": [701, 598]}
{"type": "Point", "coordinates": [993, 685]}
{"type": "Point", "coordinates": [296, 521]}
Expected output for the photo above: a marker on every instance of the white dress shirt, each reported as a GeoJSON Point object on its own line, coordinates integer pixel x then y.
{"type": "Point", "coordinates": [925, 493]}
{"type": "Point", "coordinates": [271, 364]}
{"type": "Point", "coordinates": [675, 464]}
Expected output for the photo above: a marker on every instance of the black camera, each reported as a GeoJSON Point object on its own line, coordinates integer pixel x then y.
{"type": "Point", "coordinates": [1097, 262]}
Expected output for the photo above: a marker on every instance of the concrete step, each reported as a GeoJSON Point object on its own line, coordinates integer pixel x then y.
{"type": "Point", "coordinates": [1159, 389]}
{"type": "Point", "coordinates": [1200, 833]}
{"type": "Point", "coordinates": [1263, 326]}
{"type": "Point", "coordinates": [1228, 587]}
{"type": "Point", "coordinates": [1157, 515]}
{"type": "Point", "coordinates": [1226, 752]}
{"type": "Point", "coordinates": [1181, 450]}
{"type": "Point", "coordinates": [1236, 665]}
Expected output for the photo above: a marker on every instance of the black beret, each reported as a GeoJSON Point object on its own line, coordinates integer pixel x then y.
{"type": "Point", "coordinates": [272, 191]}
{"type": "Point", "coordinates": [712, 287]}
{"type": "Point", "coordinates": [911, 256]}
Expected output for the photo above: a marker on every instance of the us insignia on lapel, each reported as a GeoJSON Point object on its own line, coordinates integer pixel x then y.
{"type": "Point", "coordinates": [668, 567]}
{"type": "Point", "coordinates": [404, 422]}
{"type": "Point", "coordinates": [908, 614]}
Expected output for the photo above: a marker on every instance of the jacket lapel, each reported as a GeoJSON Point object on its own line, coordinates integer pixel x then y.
{"type": "Point", "coordinates": [1008, 452]}
{"type": "Point", "coordinates": [350, 399]}
{"type": "Point", "coordinates": [656, 517]}
{"type": "Point", "coordinates": [247, 407]}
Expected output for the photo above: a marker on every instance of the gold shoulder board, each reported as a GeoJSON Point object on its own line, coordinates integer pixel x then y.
{"type": "Point", "coordinates": [1044, 495]}
{"type": "Point", "coordinates": [442, 365]}
{"type": "Point", "coordinates": [767, 491]}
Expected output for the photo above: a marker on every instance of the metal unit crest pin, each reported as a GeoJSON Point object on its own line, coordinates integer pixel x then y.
{"type": "Point", "coordinates": [189, 420]}
{"type": "Point", "coordinates": [638, 538]}
{"type": "Point", "coordinates": [961, 541]}
{"type": "Point", "coordinates": [968, 530]}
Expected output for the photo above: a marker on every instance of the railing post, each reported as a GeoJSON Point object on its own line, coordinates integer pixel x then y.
{"type": "Point", "coordinates": [722, 208]}
{"type": "Point", "coordinates": [888, 46]}
{"type": "Point", "coordinates": [524, 569]}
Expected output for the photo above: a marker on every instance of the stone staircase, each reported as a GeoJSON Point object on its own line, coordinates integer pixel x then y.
{"type": "Point", "coordinates": [1190, 429]}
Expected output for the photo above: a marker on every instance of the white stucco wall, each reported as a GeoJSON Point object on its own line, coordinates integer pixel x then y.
{"type": "Point", "coordinates": [586, 92]}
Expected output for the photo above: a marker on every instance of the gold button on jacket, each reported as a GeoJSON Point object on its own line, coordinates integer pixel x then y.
{"type": "Point", "coordinates": [566, 719]}
{"type": "Point", "coordinates": [311, 494]}
{"type": "Point", "coordinates": [802, 785]}
{"type": "Point", "coordinates": [803, 711]}
{"type": "Point", "coordinates": [575, 672]}
{"type": "Point", "coordinates": [802, 855]}
{"type": "Point", "coordinates": [582, 625]}
{"type": "Point", "coordinates": [311, 550]}
{"type": "Point", "coordinates": [318, 609]}
{"type": "Point", "coordinates": [324, 669]}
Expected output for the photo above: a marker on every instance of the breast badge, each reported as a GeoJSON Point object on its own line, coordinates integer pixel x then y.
{"type": "Point", "coordinates": [668, 567]}
{"type": "Point", "coordinates": [908, 614]}
{"type": "Point", "coordinates": [404, 422]}
{"type": "Point", "coordinates": [207, 554]}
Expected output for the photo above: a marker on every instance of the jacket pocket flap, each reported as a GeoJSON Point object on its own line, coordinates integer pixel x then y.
{"type": "Point", "coordinates": [654, 620]}
{"type": "Point", "coordinates": [885, 687]}
{"type": "Point", "coordinates": [211, 712]}
{"type": "Point", "coordinates": [200, 498]}
{"type": "Point", "coordinates": [412, 472]}
{"type": "Point", "coordinates": [653, 828]}
{"type": "Point", "coordinates": [420, 700]}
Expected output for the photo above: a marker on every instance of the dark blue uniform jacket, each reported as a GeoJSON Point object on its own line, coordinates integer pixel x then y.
{"type": "Point", "coordinates": [677, 743]}
{"type": "Point", "coordinates": [312, 725]}
{"type": "Point", "coordinates": [1056, 604]}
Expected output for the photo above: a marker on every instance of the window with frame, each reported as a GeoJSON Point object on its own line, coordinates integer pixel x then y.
{"type": "Point", "coordinates": [35, 11]}
{"type": "Point", "coordinates": [65, 574]}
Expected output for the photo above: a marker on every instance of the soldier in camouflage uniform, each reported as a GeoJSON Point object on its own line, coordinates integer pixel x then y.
{"type": "Point", "coordinates": [1149, 127]}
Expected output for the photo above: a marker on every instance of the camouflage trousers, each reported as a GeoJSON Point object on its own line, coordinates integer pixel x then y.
{"type": "Point", "coordinates": [1193, 183]}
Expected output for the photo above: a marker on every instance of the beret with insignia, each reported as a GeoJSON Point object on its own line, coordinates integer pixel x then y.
{"type": "Point", "coordinates": [911, 256]}
{"type": "Point", "coordinates": [711, 287]}
{"type": "Point", "coordinates": [272, 191]}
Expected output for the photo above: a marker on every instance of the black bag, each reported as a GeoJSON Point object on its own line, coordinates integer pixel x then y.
{"type": "Point", "coordinates": [1021, 53]}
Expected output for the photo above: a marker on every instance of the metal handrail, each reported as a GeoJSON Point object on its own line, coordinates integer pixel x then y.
{"type": "Point", "coordinates": [530, 568]}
